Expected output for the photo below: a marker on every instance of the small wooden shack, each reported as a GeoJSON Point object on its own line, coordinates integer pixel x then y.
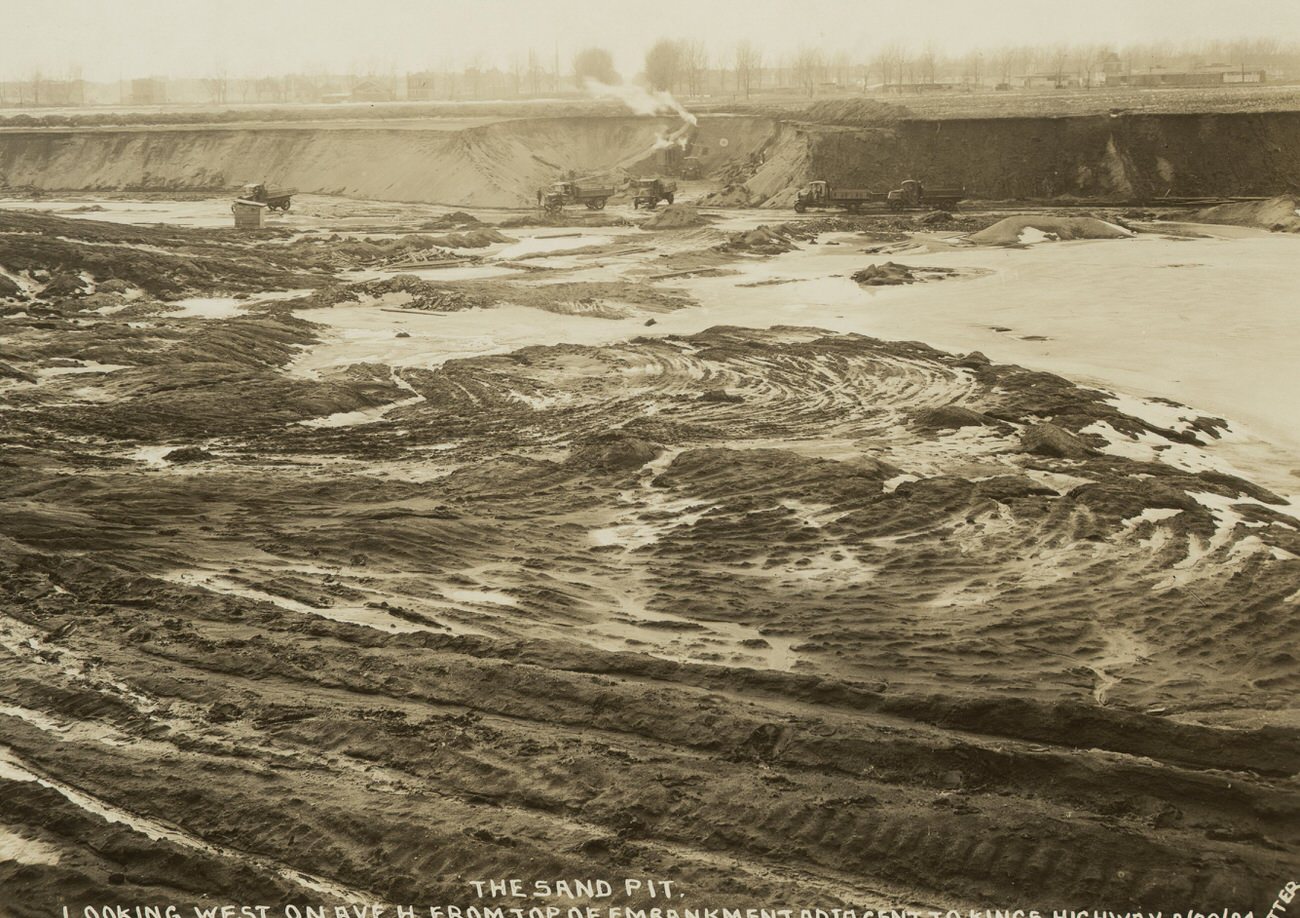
{"type": "Point", "coordinates": [248, 214]}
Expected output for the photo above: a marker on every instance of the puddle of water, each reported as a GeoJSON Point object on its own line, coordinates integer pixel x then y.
{"type": "Point", "coordinates": [209, 307]}
{"type": "Point", "coordinates": [1220, 338]}
{"type": "Point", "coordinates": [361, 416]}
{"type": "Point", "coordinates": [536, 245]}
{"type": "Point", "coordinates": [363, 334]}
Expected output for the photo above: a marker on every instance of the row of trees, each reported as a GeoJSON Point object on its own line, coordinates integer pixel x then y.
{"type": "Point", "coordinates": [692, 67]}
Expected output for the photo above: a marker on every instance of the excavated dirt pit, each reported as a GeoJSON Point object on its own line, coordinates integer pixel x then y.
{"type": "Point", "coordinates": [327, 578]}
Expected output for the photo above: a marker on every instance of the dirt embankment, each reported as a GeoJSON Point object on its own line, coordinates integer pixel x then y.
{"type": "Point", "coordinates": [494, 165]}
{"type": "Point", "coordinates": [1125, 157]}
{"type": "Point", "coordinates": [757, 160]}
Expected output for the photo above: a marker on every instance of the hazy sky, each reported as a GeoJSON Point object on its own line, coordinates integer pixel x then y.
{"type": "Point", "coordinates": [123, 38]}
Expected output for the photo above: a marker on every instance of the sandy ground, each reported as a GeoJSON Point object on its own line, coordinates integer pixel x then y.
{"type": "Point", "coordinates": [625, 553]}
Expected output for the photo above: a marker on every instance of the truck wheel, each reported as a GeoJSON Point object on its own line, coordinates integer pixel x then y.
{"type": "Point", "coordinates": [600, 204]}
{"type": "Point", "coordinates": [669, 197]}
{"type": "Point", "coordinates": [800, 207]}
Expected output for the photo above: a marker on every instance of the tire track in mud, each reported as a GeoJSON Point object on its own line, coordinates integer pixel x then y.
{"type": "Point", "coordinates": [13, 768]}
{"type": "Point", "coordinates": [787, 486]}
{"type": "Point", "coordinates": [891, 839]}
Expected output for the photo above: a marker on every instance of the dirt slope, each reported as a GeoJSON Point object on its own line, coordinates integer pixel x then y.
{"type": "Point", "coordinates": [1125, 157]}
{"type": "Point", "coordinates": [502, 164]}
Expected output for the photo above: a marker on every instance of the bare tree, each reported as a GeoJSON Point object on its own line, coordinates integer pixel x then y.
{"type": "Point", "coordinates": [927, 62]}
{"type": "Point", "coordinates": [594, 64]}
{"type": "Point", "coordinates": [971, 66]}
{"type": "Point", "coordinates": [749, 60]}
{"type": "Point", "coordinates": [474, 74]}
{"type": "Point", "coordinates": [1059, 55]}
{"type": "Point", "coordinates": [534, 72]}
{"type": "Point", "coordinates": [217, 85]}
{"type": "Point", "coordinates": [892, 57]}
{"type": "Point", "coordinates": [695, 62]}
{"type": "Point", "coordinates": [841, 66]}
{"type": "Point", "coordinates": [663, 64]}
{"type": "Point", "coordinates": [808, 67]}
{"type": "Point", "coordinates": [1004, 62]}
{"type": "Point", "coordinates": [517, 73]}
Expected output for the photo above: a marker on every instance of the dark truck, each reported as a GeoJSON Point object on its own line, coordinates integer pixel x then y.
{"type": "Point", "coordinates": [554, 199]}
{"type": "Point", "coordinates": [910, 195]}
{"type": "Point", "coordinates": [648, 192]}
{"type": "Point", "coordinates": [273, 198]}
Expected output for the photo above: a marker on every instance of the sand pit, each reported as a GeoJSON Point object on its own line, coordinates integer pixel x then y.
{"type": "Point", "coordinates": [396, 580]}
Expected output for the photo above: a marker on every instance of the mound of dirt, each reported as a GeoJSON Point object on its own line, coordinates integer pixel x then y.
{"type": "Point", "coordinates": [1280, 214]}
{"type": "Point", "coordinates": [457, 219]}
{"type": "Point", "coordinates": [1026, 228]}
{"type": "Point", "coordinates": [732, 195]}
{"type": "Point", "coordinates": [950, 417]}
{"type": "Point", "coordinates": [615, 452]}
{"type": "Point", "coordinates": [762, 240]}
{"type": "Point", "coordinates": [675, 216]}
{"type": "Point", "coordinates": [1054, 442]}
{"type": "Point", "coordinates": [857, 112]}
{"type": "Point", "coordinates": [474, 239]}
{"type": "Point", "coordinates": [891, 274]}
{"type": "Point", "coordinates": [405, 291]}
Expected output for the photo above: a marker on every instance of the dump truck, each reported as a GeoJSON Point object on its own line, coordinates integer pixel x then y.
{"type": "Point", "coordinates": [554, 199]}
{"type": "Point", "coordinates": [821, 194]}
{"type": "Point", "coordinates": [648, 192]}
{"type": "Point", "coordinates": [273, 198]}
{"type": "Point", "coordinates": [909, 195]}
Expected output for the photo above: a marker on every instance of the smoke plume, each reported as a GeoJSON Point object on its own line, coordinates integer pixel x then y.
{"type": "Point", "coordinates": [640, 100]}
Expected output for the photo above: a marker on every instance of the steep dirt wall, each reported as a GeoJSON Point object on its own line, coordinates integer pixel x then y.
{"type": "Point", "coordinates": [1131, 157]}
{"type": "Point", "coordinates": [1134, 157]}
{"type": "Point", "coordinates": [500, 164]}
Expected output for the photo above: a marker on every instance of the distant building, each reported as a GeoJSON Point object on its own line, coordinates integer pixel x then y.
{"type": "Point", "coordinates": [148, 91]}
{"type": "Point", "coordinates": [419, 86]}
{"type": "Point", "coordinates": [902, 88]}
{"type": "Point", "coordinates": [1056, 79]}
{"type": "Point", "coordinates": [44, 92]}
{"type": "Point", "coordinates": [372, 90]}
{"type": "Point", "coordinates": [1212, 75]}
